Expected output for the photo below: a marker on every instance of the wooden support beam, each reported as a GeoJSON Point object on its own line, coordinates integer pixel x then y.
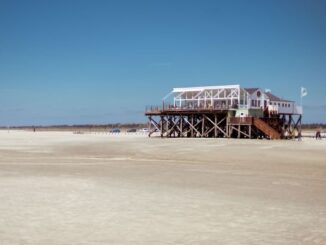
{"type": "Point", "coordinates": [192, 126]}
{"type": "Point", "coordinates": [192, 123]}
{"type": "Point", "coordinates": [203, 126]}
{"type": "Point", "coordinates": [156, 125]}
{"type": "Point", "coordinates": [299, 125]}
{"type": "Point", "coordinates": [212, 125]}
{"type": "Point", "coordinates": [149, 126]}
{"type": "Point", "coordinates": [181, 126]}
{"type": "Point", "coordinates": [239, 131]}
{"type": "Point", "coordinates": [174, 125]}
{"type": "Point", "coordinates": [215, 128]}
{"type": "Point", "coordinates": [162, 120]}
{"type": "Point", "coordinates": [168, 120]}
{"type": "Point", "coordinates": [216, 125]}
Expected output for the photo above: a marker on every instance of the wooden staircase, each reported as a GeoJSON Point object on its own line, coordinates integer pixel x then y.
{"type": "Point", "coordinates": [266, 129]}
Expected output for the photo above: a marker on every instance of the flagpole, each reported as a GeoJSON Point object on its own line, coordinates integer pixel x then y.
{"type": "Point", "coordinates": [301, 96]}
{"type": "Point", "coordinates": [300, 129]}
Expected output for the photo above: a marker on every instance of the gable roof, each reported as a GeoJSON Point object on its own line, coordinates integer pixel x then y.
{"type": "Point", "coordinates": [251, 90]}
{"type": "Point", "coordinates": [273, 97]}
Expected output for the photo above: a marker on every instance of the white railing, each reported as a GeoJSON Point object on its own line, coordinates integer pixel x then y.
{"type": "Point", "coordinates": [297, 110]}
{"type": "Point", "coordinates": [243, 106]}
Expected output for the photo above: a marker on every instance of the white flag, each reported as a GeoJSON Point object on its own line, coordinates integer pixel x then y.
{"type": "Point", "coordinates": [303, 92]}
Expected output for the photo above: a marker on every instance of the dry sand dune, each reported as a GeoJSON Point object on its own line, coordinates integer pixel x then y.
{"type": "Point", "coordinates": [64, 188]}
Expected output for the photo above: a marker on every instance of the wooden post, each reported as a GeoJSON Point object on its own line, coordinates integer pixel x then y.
{"type": "Point", "coordinates": [203, 126]}
{"type": "Point", "coordinates": [192, 123]}
{"type": "Point", "coordinates": [175, 122]}
{"type": "Point", "coordinates": [181, 126]}
{"type": "Point", "coordinates": [290, 126]}
{"type": "Point", "coordinates": [227, 128]}
{"type": "Point", "coordinates": [299, 128]}
{"type": "Point", "coordinates": [161, 126]}
{"type": "Point", "coordinates": [215, 130]}
{"type": "Point", "coordinates": [149, 126]}
{"type": "Point", "coordinates": [172, 126]}
{"type": "Point", "coordinates": [239, 131]}
{"type": "Point", "coordinates": [167, 125]}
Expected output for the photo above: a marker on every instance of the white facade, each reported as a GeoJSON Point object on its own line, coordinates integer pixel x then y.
{"type": "Point", "coordinates": [258, 99]}
{"type": "Point", "coordinates": [230, 97]}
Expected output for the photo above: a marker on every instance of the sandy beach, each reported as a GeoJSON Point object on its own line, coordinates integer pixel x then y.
{"type": "Point", "coordinates": [65, 188]}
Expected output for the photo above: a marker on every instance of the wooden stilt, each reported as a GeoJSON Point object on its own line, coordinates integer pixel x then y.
{"type": "Point", "coordinates": [203, 126]}
{"type": "Point", "coordinates": [215, 128]}
{"type": "Point", "coordinates": [239, 131]}
{"type": "Point", "coordinates": [191, 128]}
{"type": "Point", "coordinates": [181, 126]}
{"type": "Point", "coordinates": [161, 124]}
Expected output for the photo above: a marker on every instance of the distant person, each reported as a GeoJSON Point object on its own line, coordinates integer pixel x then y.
{"type": "Point", "coordinates": [318, 135]}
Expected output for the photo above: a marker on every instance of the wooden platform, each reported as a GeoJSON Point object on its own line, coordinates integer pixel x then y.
{"type": "Point", "coordinates": [219, 122]}
{"type": "Point", "coordinates": [181, 111]}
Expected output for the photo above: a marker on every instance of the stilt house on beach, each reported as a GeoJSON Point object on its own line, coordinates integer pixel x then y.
{"type": "Point", "coordinates": [225, 111]}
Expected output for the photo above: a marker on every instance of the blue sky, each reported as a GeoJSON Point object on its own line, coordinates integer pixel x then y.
{"type": "Point", "coordinates": [75, 62]}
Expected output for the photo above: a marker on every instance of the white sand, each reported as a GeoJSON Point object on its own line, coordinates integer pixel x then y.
{"type": "Point", "coordinates": [64, 188]}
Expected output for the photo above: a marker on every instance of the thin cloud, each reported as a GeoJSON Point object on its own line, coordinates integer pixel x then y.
{"type": "Point", "coordinates": [315, 107]}
{"type": "Point", "coordinates": [15, 109]}
{"type": "Point", "coordinates": [161, 64]}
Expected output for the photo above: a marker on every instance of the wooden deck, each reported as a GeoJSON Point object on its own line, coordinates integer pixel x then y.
{"type": "Point", "coordinates": [184, 111]}
{"type": "Point", "coordinates": [240, 120]}
{"type": "Point", "coordinates": [217, 122]}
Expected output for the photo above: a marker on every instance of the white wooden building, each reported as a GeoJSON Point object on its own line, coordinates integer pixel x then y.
{"type": "Point", "coordinates": [225, 111]}
{"type": "Point", "coordinates": [244, 101]}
